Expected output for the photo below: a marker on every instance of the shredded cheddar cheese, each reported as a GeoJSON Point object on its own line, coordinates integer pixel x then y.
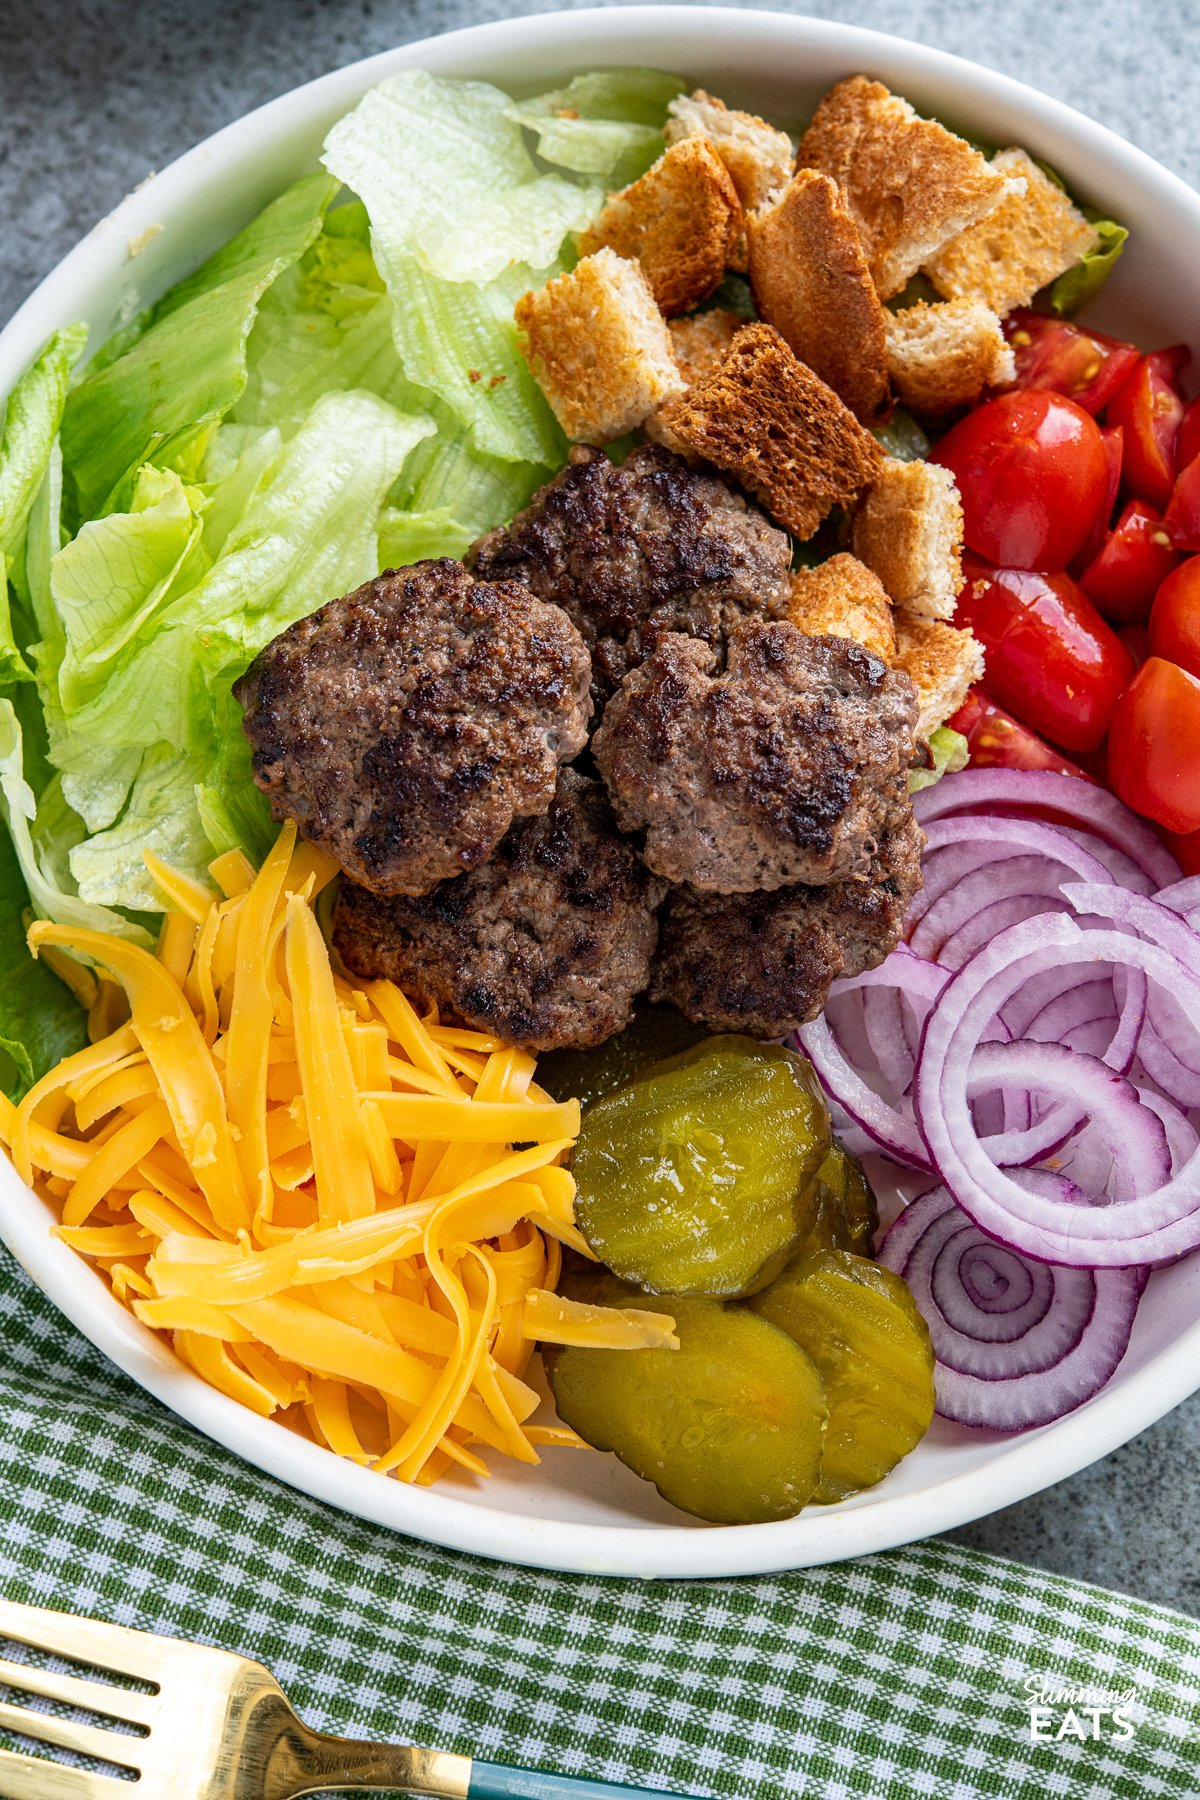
{"type": "Point", "coordinates": [308, 1185]}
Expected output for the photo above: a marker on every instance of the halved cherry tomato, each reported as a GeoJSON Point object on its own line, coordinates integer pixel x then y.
{"type": "Point", "coordinates": [1134, 560]}
{"type": "Point", "coordinates": [1032, 474]}
{"type": "Point", "coordinates": [1182, 517]}
{"type": "Point", "coordinates": [1187, 444]}
{"type": "Point", "coordinates": [1113, 439]}
{"type": "Point", "coordinates": [1048, 655]}
{"type": "Point", "coordinates": [1175, 619]}
{"type": "Point", "coordinates": [996, 739]}
{"type": "Point", "coordinates": [1086, 366]}
{"type": "Point", "coordinates": [1154, 746]}
{"type": "Point", "coordinates": [1149, 408]}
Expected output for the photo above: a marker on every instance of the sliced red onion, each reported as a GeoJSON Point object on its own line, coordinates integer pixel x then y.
{"type": "Point", "coordinates": [1062, 797]}
{"type": "Point", "coordinates": [1018, 1343]}
{"type": "Point", "coordinates": [1182, 897]}
{"type": "Point", "coordinates": [1053, 1220]}
{"type": "Point", "coordinates": [938, 912]}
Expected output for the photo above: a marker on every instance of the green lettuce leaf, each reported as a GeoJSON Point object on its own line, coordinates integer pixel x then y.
{"type": "Point", "coordinates": [41, 1021]}
{"type": "Point", "coordinates": [903, 438]}
{"type": "Point", "coordinates": [425, 155]}
{"type": "Point", "coordinates": [526, 225]}
{"type": "Point", "coordinates": [950, 752]}
{"type": "Point", "coordinates": [160, 814]}
{"type": "Point", "coordinates": [1076, 287]}
{"type": "Point", "coordinates": [188, 366]}
{"type": "Point", "coordinates": [409, 537]}
{"type": "Point", "coordinates": [608, 124]}
{"type": "Point", "coordinates": [43, 834]}
{"type": "Point", "coordinates": [28, 446]}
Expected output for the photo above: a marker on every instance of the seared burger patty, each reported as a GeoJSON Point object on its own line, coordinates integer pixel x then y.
{"type": "Point", "coordinates": [547, 945]}
{"type": "Point", "coordinates": [405, 726]}
{"type": "Point", "coordinates": [763, 963]}
{"type": "Point", "coordinates": [784, 769]}
{"type": "Point", "coordinates": [632, 552]}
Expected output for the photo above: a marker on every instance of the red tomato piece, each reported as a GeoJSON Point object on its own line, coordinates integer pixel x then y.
{"type": "Point", "coordinates": [1113, 439]}
{"type": "Point", "coordinates": [1184, 848]}
{"type": "Point", "coordinates": [1048, 654]}
{"type": "Point", "coordinates": [1134, 560]}
{"type": "Point", "coordinates": [1086, 366]}
{"type": "Point", "coordinates": [1154, 746]}
{"type": "Point", "coordinates": [1149, 408]}
{"type": "Point", "coordinates": [1187, 444]}
{"type": "Point", "coordinates": [1136, 640]}
{"type": "Point", "coordinates": [1182, 520]}
{"type": "Point", "coordinates": [998, 741]}
{"type": "Point", "coordinates": [1175, 619]}
{"type": "Point", "coordinates": [1032, 473]}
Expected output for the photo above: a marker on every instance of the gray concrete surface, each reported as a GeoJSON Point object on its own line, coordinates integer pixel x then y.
{"type": "Point", "coordinates": [95, 93]}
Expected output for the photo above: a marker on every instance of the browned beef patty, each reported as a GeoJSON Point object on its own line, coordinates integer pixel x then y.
{"type": "Point", "coordinates": [405, 726]}
{"type": "Point", "coordinates": [547, 945]}
{"type": "Point", "coordinates": [631, 552]}
{"type": "Point", "coordinates": [783, 769]}
{"type": "Point", "coordinates": [763, 963]}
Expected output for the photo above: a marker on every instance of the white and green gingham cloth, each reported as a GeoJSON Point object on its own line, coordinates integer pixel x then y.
{"type": "Point", "coordinates": [906, 1674]}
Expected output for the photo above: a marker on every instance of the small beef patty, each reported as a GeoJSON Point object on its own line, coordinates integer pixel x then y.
{"type": "Point", "coordinates": [547, 945]}
{"type": "Point", "coordinates": [783, 769]}
{"type": "Point", "coordinates": [631, 552]}
{"type": "Point", "coordinates": [405, 726]}
{"type": "Point", "coordinates": [763, 963]}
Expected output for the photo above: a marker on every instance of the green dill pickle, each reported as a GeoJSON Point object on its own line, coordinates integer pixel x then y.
{"type": "Point", "coordinates": [860, 1325]}
{"type": "Point", "coordinates": [729, 1427]}
{"type": "Point", "coordinates": [697, 1177]}
{"type": "Point", "coordinates": [655, 1032]}
{"type": "Point", "coordinates": [846, 1215]}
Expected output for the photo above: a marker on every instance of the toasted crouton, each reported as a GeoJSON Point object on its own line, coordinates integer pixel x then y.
{"type": "Point", "coordinates": [944, 355]}
{"type": "Point", "coordinates": [679, 221]}
{"type": "Point", "coordinates": [766, 419]}
{"type": "Point", "coordinates": [699, 342]}
{"type": "Point", "coordinates": [811, 282]}
{"type": "Point", "coordinates": [1021, 245]}
{"type": "Point", "coordinates": [598, 348]}
{"type": "Point", "coordinates": [842, 598]}
{"type": "Point", "coordinates": [910, 184]}
{"type": "Point", "coordinates": [758, 157]}
{"type": "Point", "coordinates": [909, 530]}
{"type": "Point", "coordinates": [942, 662]}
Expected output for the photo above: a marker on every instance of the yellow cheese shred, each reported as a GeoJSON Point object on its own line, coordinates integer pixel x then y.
{"type": "Point", "coordinates": [308, 1183]}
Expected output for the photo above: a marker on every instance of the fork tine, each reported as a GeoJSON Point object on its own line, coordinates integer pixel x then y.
{"type": "Point", "coordinates": [90, 1696]}
{"type": "Point", "coordinates": [115, 1647]}
{"type": "Point", "coordinates": [25, 1778]}
{"type": "Point", "coordinates": [67, 1734]}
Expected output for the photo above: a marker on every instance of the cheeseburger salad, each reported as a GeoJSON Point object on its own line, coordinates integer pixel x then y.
{"type": "Point", "coordinates": [600, 741]}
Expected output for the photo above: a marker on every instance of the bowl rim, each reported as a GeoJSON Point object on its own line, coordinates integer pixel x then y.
{"type": "Point", "coordinates": [1029, 1462]}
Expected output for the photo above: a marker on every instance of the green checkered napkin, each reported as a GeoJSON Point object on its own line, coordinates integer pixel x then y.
{"type": "Point", "coordinates": [905, 1674]}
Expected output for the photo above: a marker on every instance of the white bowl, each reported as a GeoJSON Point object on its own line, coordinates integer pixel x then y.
{"type": "Point", "coordinates": [581, 1511]}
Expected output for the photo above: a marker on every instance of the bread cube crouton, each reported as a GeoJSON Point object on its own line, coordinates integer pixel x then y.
{"type": "Point", "coordinates": [699, 342]}
{"type": "Point", "coordinates": [1026, 241]}
{"type": "Point", "coordinates": [942, 662]}
{"type": "Point", "coordinates": [944, 355]}
{"type": "Point", "coordinates": [909, 530]}
{"type": "Point", "coordinates": [598, 348]}
{"type": "Point", "coordinates": [757, 156]}
{"type": "Point", "coordinates": [768, 421]}
{"type": "Point", "coordinates": [811, 282]}
{"type": "Point", "coordinates": [679, 221]}
{"type": "Point", "coordinates": [842, 598]}
{"type": "Point", "coordinates": [910, 184]}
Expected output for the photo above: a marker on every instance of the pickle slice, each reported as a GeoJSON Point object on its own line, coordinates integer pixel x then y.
{"type": "Point", "coordinates": [655, 1032]}
{"type": "Point", "coordinates": [697, 1178]}
{"type": "Point", "coordinates": [860, 1325]}
{"type": "Point", "coordinates": [846, 1215]}
{"type": "Point", "coordinates": [729, 1427]}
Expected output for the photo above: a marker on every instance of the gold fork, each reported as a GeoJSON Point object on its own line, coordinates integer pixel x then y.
{"type": "Point", "coordinates": [216, 1727]}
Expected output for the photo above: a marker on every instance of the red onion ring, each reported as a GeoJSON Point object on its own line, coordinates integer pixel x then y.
{"type": "Point", "coordinates": [1018, 1343]}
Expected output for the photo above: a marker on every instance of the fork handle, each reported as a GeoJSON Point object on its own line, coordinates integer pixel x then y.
{"type": "Point", "coordinates": [496, 1781]}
